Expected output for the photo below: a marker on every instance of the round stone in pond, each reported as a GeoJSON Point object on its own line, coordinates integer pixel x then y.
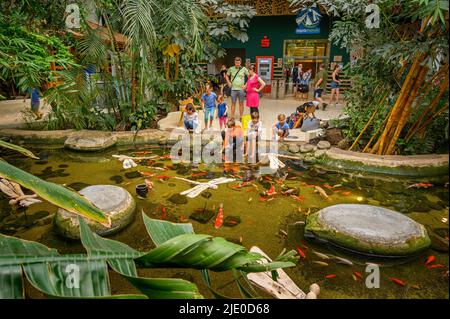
{"type": "Point", "coordinates": [368, 229]}
{"type": "Point", "coordinates": [115, 201]}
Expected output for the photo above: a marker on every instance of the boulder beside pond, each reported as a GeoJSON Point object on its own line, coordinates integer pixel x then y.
{"type": "Point", "coordinates": [90, 141]}
{"type": "Point", "coordinates": [113, 200]}
{"type": "Point", "coordinates": [368, 229]}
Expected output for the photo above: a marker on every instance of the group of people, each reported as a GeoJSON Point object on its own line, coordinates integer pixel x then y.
{"type": "Point", "coordinates": [302, 80]}
{"type": "Point", "coordinates": [244, 85]}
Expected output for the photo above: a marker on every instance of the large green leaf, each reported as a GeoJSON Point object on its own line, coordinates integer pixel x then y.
{"type": "Point", "coordinates": [17, 148]}
{"type": "Point", "coordinates": [199, 251]}
{"type": "Point", "coordinates": [121, 258]}
{"type": "Point", "coordinates": [55, 194]}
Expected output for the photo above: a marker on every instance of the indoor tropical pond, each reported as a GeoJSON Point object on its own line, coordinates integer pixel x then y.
{"type": "Point", "coordinates": [267, 211]}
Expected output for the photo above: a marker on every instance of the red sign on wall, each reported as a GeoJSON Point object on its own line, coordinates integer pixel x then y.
{"type": "Point", "coordinates": [265, 43]}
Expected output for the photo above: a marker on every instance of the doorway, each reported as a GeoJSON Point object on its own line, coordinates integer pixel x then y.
{"type": "Point", "coordinates": [309, 53]}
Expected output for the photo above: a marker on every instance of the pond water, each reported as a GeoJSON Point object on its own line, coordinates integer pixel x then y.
{"type": "Point", "coordinates": [262, 223]}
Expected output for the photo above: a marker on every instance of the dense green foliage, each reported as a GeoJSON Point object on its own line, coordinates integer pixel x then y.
{"type": "Point", "coordinates": [135, 81]}
{"type": "Point", "coordinates": [384, 56]}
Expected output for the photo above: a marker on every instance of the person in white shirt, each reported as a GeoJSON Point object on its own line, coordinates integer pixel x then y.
{"type": "Point", "coordinates": [190, 117]}
{"type": "Point", "coordinates": [254, 131]}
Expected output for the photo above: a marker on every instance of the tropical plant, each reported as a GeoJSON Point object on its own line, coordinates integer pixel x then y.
{"type": "Point", "coordinates": [177, 246]}
{"type": "Point", "coordinates": [400, 81]}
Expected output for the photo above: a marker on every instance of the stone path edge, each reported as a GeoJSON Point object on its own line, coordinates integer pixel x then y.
{"type": "Point", "coordinates": [334, 158]}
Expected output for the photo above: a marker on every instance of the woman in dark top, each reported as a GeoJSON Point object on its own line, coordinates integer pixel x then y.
{"type": "Point", "coordinates": [222, 79]}
{"type": "Point", "coordinates": [335, 83]}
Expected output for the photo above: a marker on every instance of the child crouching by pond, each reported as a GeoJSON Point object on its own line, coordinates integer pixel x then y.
{"type": "Point", "coordinates": [254, 131]}
{"type": "Point", "coordinates": [190, 117]}
{"type": "Point", "coordinates": [281, 129]}
{"type": "Point", "coordinates": [233, 146]}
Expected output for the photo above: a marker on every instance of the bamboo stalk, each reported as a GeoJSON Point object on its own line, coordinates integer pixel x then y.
{"type": "Point", "coordinates": [432, 118]}
{"type": "Point", "coordinates": [430, 108]}
{"type": "Point", "coordinates": [376, 133]}
{"type": "Point", "coordinates": [398, 106]}
{"type": "Point", "coordinates": [364, 129]}
{"type": "Point", "coordinates": [407, 109]}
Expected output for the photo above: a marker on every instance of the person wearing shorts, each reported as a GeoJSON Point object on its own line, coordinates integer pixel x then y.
{"type": "Point", "coordinates": [35, 102]}
{"type": "Point", "coordinates": [320, 84]}
{"type": "Point", "coordinates": [236, 80]}
{"type": "Point", "coordinates": [208, 101]}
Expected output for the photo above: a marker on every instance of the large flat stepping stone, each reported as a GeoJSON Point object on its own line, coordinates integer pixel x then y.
{"type": "Point", "coordinates": [90, 141]}
{"type": "Point", "coordinates": [368, 229]}
{"type": "Point", "coordinates": [115, 201]}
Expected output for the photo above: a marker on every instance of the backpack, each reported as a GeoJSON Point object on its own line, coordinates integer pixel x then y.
{"type": "Point", "coordinates": [310, 124]}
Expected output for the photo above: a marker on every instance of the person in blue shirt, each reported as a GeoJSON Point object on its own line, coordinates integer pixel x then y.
{"type": "Point", "coordinates": [208, 102]}
{"type": "Point", "coordinates": [222, 110]}
{"type": "Point", "coordinates": [281, 129]}
{"type": "Point", "coordinates": [35, 101]}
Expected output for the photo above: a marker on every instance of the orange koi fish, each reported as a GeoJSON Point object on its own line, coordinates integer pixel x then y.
{"type": "Point", "coordinates": [429, 260]}
{"type": "Point", "coordinates": [271, 191]}
{"type": "Point", "coordinates": [346, 193]}
{"type": "Point", "coordinates": [420, 185]}
{"type": "Point", "coordinates": [162, 177]}
{"type": "Point", "coordinates": [263, 199]}
{"type": "Point", "coordinates": [199, 174]}
{"type": "Point", "coordinates": [300, 252]}
{"type": "Point", "coordinates": [298, 198]}
{"type": "Point", "coordinates": [249, 190]}
{"type": "Point", "coordinates": [183, 219]}
{"type": "Point", "coordinates": [219, 220]}
{"type": "Point", "coordinates": [397, 281]}
{"type": "Point", "coordinates": [147, 174]}
{"type": "Point", "coordinates": [436, 266]}
{"type": "Point", "coordinates": [330, 276]}
{"type": "Point", "coordinates": [357, 274]}
{"type": "Point", "coordinates": [164, 213]}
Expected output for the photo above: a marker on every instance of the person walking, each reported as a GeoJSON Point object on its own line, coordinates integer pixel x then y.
{"type": "Point", "coordinates": [295, 73]}
{"type": "Point", "coordinates": [320, 84]}
{"type": "Point", "coordinates": [254, 87]}
{"type": "Point", "coordinates": [335, 83]}
{"type": "Point", "coordinates": [304, 84]}
{"type": "Point", "coordinates": [33, 93]}
{"type": "Point", "coordinates": [236, 80]}
{"type": "Point", "coordinates": [222, 78]}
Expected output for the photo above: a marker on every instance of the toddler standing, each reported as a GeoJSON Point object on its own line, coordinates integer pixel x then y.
{"type": "Point", "coordinates": [222, 112]}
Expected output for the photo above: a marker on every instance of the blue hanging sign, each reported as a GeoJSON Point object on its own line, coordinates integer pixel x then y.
{"type": "Point", "coordinates": [308, 21]}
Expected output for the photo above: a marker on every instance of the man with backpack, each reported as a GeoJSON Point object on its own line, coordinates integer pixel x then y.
{"type": "Point", "coordinates": [236, 81]}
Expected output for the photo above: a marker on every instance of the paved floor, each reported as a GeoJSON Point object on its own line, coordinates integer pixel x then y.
{"type": "Point", "coordinates": [13, 113]}
{"type": "Point", "coordinates": [269, 110]}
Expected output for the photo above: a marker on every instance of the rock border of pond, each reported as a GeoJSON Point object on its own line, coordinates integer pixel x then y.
{"type": "Point", "coordinates": [334, 159]}
{"type": "Point", "coordinates": [401, 243]}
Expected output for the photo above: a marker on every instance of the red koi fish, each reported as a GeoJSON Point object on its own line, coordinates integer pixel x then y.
{"type": "Point", "coordinates": [219, 219]}
{"type": "Point", "coordinates": [397, 281]}
{"type": "Point", "coordinates": [249, 190]}
{"type": "Point", "coordinates": [147, 174]}
{"type": "Point", "coordinates": [263, 199]}
{"type": "Point", "coordinates": [199, 174]}
{"type": "Point", "coordinates": [298, 198]}
{"type": "Point", "coordinates": [327, 186]}
{"type": "Point", "coordinates": [164, 213]}
{"type": "Point", "coordinates": [346, 193]}
{"type": "Point", "coordinates": [436, 266]}
{"type": "Point", "coordinates": [300, 252]}
{"type": "Point", "coordinates": [429, 260]}
{"type": "Point", "coordinates": [162, 177]}
{"type": "Point", "coordinates": [168, 156]}
{"type": "Point", "coordinates": [142, 153]}
{"type": "Point", "coordinates": [420, 185]}
{"type": "Point", "coordinates": [183, 219]}
{"type": "Point", "coordinates": [271, 190]}
{"type": "Point", "coordinates": [358, 275]}
{"type": "Point", "coordinates": [330, 276]}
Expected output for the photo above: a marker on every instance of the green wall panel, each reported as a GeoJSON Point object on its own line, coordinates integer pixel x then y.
{"type": "Point", "coordinates": [278, 29]}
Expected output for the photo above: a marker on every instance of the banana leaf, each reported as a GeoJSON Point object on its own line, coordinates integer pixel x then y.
{"type": "Point", "coordinates": [54, 193]}
{"type": "Point", "coordinates": [199, 251]}
{"type": "Point", "coordinates": [158, 288]}
{"type": "Point", "coordinates": [18, 149]}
